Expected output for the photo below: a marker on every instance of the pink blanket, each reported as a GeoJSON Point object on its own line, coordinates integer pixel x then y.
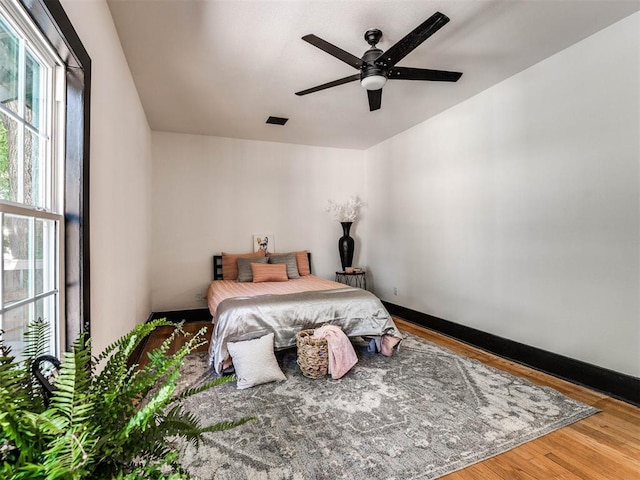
{"type": "Point", "coordinates": [342, 356]}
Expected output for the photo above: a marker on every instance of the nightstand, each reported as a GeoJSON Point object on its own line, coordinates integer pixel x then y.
{"type": "Point", "coordinates": [355, 279]}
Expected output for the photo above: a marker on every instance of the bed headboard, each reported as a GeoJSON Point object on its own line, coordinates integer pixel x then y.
{"type": "Point", "coordinates": [217, 266]}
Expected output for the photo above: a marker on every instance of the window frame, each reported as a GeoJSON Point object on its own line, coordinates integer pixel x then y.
{"type": "Point", "coordinates": [45, 204]}
{"type": "Point", "coordinates": [55, 26]}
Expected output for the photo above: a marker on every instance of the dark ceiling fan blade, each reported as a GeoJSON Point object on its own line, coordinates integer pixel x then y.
{"type": "Point", "coordinates": [335, 83]}
{"type": "Point", "coordinates": [331, 49]}
{"type": "Point", "coordinates": [418, 35]}
{"type": "Point", "coordinates": [408, 73]}
{"type": "Point", "coordinates": [375, 99]}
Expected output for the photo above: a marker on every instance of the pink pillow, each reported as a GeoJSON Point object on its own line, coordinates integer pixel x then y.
{"type": "Point", "coordinates": [303, 263]}
{"type": "Point", "coordinates": [269, 272]}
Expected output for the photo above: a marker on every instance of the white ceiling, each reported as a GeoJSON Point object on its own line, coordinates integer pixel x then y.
{"type": "Point", "coordinates": [221, 67]}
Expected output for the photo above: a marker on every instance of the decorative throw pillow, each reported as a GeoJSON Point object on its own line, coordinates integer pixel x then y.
{"type": "Point", "coordinates": [244, 267]}
{"type": "Point", "coordinates": [269, 273]}
{"type": "Point", "coordinates": [230, 263]}
{"type": "Point", "coordinates": [254, 362]}
{"type": "Point", "coordinates": [289, 259]}
{"type": "Point", "coordinates": [302, 260]}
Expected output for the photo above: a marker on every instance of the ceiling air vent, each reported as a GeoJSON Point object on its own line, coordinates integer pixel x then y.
{"type": "Point", "coordinates": [277, 120]}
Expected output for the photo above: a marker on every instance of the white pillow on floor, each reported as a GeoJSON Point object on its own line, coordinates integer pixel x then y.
{"type": "Point", "coordinates": [255, 362]}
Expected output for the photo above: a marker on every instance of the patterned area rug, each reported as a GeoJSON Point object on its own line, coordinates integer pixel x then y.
{"type": "Point", "coordinates": [421, 414]}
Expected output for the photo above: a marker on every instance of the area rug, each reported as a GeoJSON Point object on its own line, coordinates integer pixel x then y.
{"type": "Point", "coordinates": [420, 414]}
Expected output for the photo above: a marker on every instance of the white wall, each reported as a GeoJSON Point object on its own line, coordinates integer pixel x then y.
{"type": "Point", "coordinates": [518, 211]}
{"type": "Point", "coordinates": [120, 198]}
{"type": "Point", "coordinates": [212, 194]}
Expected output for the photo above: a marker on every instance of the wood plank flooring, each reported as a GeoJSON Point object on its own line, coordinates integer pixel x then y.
{"type": "Point", "coordinates": [605, 446]}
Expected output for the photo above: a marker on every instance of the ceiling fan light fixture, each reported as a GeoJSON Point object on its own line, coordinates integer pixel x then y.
{"type": "Point", "coordinates": [373, 82]}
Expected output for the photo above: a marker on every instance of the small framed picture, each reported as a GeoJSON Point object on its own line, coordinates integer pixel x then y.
{"type": "Point", "coordinates": [264, 242]}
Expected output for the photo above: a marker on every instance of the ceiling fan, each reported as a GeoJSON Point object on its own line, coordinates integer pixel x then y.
{"type": "Point", "coordinates": [376, 66]}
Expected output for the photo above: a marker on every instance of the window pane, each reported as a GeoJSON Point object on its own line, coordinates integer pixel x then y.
{"type": "Point", "coordinates": [14, 324]}
{"type": "Point", "coordinates": [9, 155]}
{"type": "Point", "coordinates": [33, 171]}
{"type": "Point", "coordinates": [45, 309]}
{"type": "Point", "coordinates": [17, 264]}
{"type": "Point", "coordinates": [33, 94]}
{"type": "Point", "coordinates": [45, 256]}
{"type": "Point", "coordinates": [9, 67]}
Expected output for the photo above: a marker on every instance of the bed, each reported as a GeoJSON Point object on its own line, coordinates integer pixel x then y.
{"type": "Point", "coordinates": [246, 310]}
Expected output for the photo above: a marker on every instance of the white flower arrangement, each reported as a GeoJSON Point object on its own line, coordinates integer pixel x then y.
{"type": "Point", "coordinates": [345, 212]}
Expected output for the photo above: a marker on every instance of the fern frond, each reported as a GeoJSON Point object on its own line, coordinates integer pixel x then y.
{"type": "Point", "coordinates": [221, 426]}
{"type": "Point", "coordinates": [69, 455]}
{"type": "Point", "coordinates": [118, 353]}
{"type": "Point", "coordinates": [141, 419]}
{"type": "Point", "coordinates": [36, 339]}
{"type": "Point", "coordinates": [20, 402]}
{"type": "Point", "coordinates": [201, 388]}
{"type": "Point", "coordinates": [142, 430]}
{"type": "Point", "coordinates": [162, 365]}
{"type": "Point", "coordinates": [166, 344]}
{"type": "Point", "coordinates": [178, 422]}
{"type": "Point", "coordinates": [12, 380]}
{"type": "Point", "coordinates": [36, 343]}
{"type": "Point", "coordinates": [141, 330]}
{"type": "Point", "coordinates": [71, 401]}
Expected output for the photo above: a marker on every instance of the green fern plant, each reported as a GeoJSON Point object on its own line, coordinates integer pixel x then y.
{"type": "Point", "coordinates": [107, 423]}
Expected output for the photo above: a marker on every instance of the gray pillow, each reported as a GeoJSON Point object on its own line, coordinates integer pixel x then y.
{"type": "Point", "coordinates": [290, 260]}
{"type": "Point", "coordinates": [244, 267]}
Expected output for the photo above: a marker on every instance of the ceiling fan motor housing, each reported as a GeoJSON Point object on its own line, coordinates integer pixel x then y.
{"type": "Point", "coordinates": [370, 69]}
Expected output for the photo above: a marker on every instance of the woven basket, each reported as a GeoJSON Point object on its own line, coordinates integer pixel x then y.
{"type": "Point", "coordinates": [313, 356]}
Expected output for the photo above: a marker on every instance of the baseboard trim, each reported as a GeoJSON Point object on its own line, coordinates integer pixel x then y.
{"type": "Point", "coordinates": [176, 316]}
{"type": "Point", "coordinates": [618, 385]}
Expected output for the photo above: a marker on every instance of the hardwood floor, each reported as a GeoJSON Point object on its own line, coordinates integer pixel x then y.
{"type": "Point", "coordinates": [605, 446]}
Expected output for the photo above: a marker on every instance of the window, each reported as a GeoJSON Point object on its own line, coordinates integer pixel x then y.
{"type": "Point", "coordinates": [32, 124]}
